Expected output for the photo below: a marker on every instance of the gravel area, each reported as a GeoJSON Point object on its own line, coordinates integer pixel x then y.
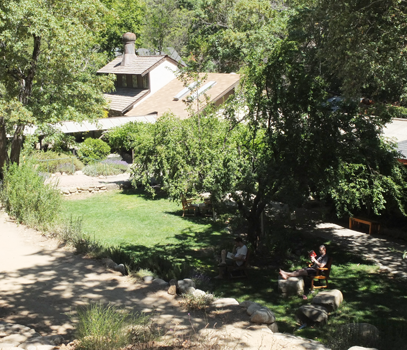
{"type": "Point", "coordinates": [79, 179]}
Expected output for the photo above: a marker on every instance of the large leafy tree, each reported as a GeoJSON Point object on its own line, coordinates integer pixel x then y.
{"type": "Point", "coordinates": [122, 16]}
{"type": "Point", "coordinates": [47, 66]}
{"type": "Point", "coordinates": [224, 32]}
{"type": "Point", "coordinates": [166, 25]}
{"type": "Point", "coordinates": [358, 45]}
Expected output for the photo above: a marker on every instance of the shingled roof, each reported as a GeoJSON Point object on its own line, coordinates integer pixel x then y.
{"type": "Point", "coordinates": [163, 100]}
{"type": "Point", "coordinates": [141, 65]}
{"type": "Point", "coordinates": [123, 99]}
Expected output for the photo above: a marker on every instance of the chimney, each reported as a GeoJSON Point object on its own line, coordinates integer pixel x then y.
{"type": "Point", "coordinates": [129, 55]}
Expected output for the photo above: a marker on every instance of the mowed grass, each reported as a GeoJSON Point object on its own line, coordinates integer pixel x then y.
{"type": "Point", "coordinates": [137, 223]}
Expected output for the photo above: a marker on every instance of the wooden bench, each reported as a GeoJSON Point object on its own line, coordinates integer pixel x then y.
{"type": "Point", "coordinates": [374, 226]}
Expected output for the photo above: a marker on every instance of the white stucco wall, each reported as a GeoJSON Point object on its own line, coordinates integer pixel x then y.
{"type": "Point", "coordinates": [159, 77]}
{"type": "Point", "coordinates": [162, 75]}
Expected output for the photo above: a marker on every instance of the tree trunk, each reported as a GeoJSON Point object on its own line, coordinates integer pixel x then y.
{"type": "Point", "coordinates": [17, 144]}
{"type": "Point", "coordinates": [26, 84]}
{"type": "Point", "coordinates": [3, 146]}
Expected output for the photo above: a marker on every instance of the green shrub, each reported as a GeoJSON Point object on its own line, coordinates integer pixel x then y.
{"type": "Point", "coordinates": [25, 196]}
{"type": "Point", "coordinates": [105, 327]}
{"type": "Point", "coordinates": [52, 162]}
{"type": "Point", "coordinates": [93, 149]}
{"type": "Point", "coordinates": [121, 138]}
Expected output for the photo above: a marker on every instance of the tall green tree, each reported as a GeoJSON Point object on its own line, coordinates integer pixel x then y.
{"type": "Point", "coordinates": [224, 32]}
{"type": "Point", "coordinates": [48, 66]}
{"type": "Point", "coordinates": [122, 16]}
{"type": "Point", "coordinates": [166, 25]}
{"type": "Point", "coordinates": [358, 45]}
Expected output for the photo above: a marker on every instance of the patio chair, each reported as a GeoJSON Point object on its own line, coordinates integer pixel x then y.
{"type": "Point", "coordinates": [240, 271]}
{"type": "Point", "coordinates": [187, 207]}
{"type": "Point", "coordinates": [322, 275]}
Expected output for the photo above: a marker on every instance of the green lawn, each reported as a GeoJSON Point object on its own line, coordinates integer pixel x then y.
{"type": "Point", "coordinates": [131, 218]}
{"type": "Point", "coordinates": [144, 227]}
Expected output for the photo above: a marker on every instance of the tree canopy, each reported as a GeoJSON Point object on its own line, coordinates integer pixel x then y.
{"type": "Point", "coordinates": [48, 65]}
{"type": "Point", "coordinates": [122, 16]}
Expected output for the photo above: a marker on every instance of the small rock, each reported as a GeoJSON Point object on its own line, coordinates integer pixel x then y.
{"type": "Point", "coordinates": [159, 282]}
{"type": "Point", "coordinates": [263, 315]}
{"type": "Point", "coordinates": [109, 263]}
{"type": "Point", "coordinates": [312, 314]}
{"type": "Point", "coordinates": [148, 279]}
{"type": "Point", "coordinates": [190, 290]}
{"type": "Point", "coordinates": [14, 339]}
{"type": "Point", "coordinates": [291, 286]}
{"type": "Point", "coordinates": [246, 303]}
{"type": "Point", "coordinates": [273, 327]}
{"type": "Point", "coordinates": [365, 332]}
{"type": "Point", "coordinates": [120, 268]}
{"type": "Point", "coordinates": [184, 285]}
{"type": "Point", "coordinates": [172, 290]}
{"type": "Point", "coordinates": [331, 299]}
{"type": "Point", "coordinates": [360, 348]}
{"type": "Point", "coordinates": [225, 302]}
{"type": "Point", "coordinates": [253, 307]}
{"type": "Point", "coordinates": [198, 293]}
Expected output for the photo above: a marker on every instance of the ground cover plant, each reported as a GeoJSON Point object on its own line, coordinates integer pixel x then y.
{"type": "Point", "coordinates": [105, 327]}
{"type": "Point", "coordinates": [52, 162]}
{"type": "Point", "coordinates": [106, 168]}
{"type": "Point", "coordinates": [139, 226]}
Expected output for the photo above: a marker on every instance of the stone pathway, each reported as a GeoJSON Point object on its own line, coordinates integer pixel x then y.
{"type": "Point", "coordinates": [384, 251]}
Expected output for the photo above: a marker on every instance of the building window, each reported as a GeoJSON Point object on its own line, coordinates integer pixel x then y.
{"type": "Point", "coordinates": [134, 81]}
{"type": "Point", "coordinates": [146, 82]}
{"type": "Point", "coordinates": [124, 80]}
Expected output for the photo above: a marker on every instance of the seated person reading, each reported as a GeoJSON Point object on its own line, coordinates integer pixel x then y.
{"type": "Point", "coordinates": [236, 258]}
{"type": "Point", "coordinates": [321, 261]}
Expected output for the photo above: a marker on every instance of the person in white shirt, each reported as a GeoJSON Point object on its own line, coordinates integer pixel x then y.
{"type": "Point", "coordinates": [236, 258]}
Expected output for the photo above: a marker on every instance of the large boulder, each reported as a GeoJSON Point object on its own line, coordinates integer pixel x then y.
{"type": "Point", "coordinates": [291, 286]}
{"type": "Point", "coordinates": [360, 333]}
{"type": "Point", "coordinates": [263, 316]}
{"type": "Point", "coordinates": [312, 314]}
{"type": "Point", "coordinates": [252, 308]}
{"type": "Point", "coordinates": [185, 286]}
{"type": "Point", "coordinates": [158, 283]}
{"type": "Point", "coordinates": [330, 299]}
{"type": "Point", "coordinates": [259, 313]}
{"type": "Point", "coordinates": [246, 303]}
{"type": "Point", "coordinates": [225, 302]}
